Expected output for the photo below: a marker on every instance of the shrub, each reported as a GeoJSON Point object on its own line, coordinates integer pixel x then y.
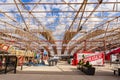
{"type": "Point", "coordinates": [81, 62]}
{"type": "Point", "coordinates": [87, 64]}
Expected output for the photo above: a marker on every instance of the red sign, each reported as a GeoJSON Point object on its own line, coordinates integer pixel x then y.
{"type": "Point", "coordinates": [94, 57]}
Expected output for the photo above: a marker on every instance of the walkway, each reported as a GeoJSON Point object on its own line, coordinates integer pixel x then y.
{"type": "Point", "coordinates": [62, 71]}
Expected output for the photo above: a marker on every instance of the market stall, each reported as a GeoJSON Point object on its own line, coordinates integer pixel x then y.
{"type": "Point", "coordinates": [8, 62]}
{"type": "Point", "coordinates": [94, 58]}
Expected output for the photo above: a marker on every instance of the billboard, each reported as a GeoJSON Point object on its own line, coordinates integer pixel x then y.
{"type": "Point", "coordinates": [93, 58]}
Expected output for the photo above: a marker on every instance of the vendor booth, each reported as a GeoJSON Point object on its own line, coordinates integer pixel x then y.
{"type": "Point", "coordinates": [114, 58]}
{"type": "Point", "coordinates": [8, 62]}
{"type": "Point", "coordinates": [94, 58]}
{"type": "Point", "coordinates": [113, 52]}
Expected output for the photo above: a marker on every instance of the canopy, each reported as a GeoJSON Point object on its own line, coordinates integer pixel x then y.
{"type": "Point", "coordinates": [112, 52]}
{"type": "Point", "coordinates": [61, 27]}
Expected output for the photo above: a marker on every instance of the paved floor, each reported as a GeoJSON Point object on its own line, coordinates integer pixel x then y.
{"type": "Point", "coordinates": [62, 66]}
{"type": "Point", "coordinates": [62, 71]}
{"type": "Point", "coordinates": [54, 77]}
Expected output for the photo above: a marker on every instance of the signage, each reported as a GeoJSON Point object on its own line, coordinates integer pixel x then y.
{"type": "Point", "coordinates": [93, 58]}
{"type": "Point", "coordinates": [97, 59]}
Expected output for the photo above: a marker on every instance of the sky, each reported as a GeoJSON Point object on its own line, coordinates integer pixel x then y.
{"type": "Point", "coordinates": [53, 20]}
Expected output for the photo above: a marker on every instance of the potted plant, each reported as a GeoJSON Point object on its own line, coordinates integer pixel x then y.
{"type": "Point", "coordinates": [88, 68]}
{"type": "Point", "coordinates": [80, 64]}
{"type": "Point", "coordinates": [68, 61]}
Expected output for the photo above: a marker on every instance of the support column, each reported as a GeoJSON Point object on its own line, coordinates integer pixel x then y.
{"type": "Point", "coordinates": [104, 46]}
{"type": "Point", "coordinates": [85, 44]}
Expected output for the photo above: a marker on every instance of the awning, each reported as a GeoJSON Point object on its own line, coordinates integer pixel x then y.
{"type": "Point", "coordinates": [112, 52]}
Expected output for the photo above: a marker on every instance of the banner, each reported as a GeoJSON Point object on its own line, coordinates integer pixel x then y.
{"type": "Point", "coordinates": [93, 58]}
{"type": "Point", "coordinates": [97, 59]}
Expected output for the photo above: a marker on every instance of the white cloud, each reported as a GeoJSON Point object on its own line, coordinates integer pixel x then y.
{"type": "Point", "coordinates": [92, 22]}
{"type": "Point", "coordinates": [59, 30]}
{"type": "Point", "coordinates": [63, 21]}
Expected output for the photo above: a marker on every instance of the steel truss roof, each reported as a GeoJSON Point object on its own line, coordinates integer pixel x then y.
{"type": "Point", "coordinates": [24, 28]}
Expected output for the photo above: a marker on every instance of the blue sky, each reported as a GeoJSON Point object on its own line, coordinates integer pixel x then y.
{"type": "Point", "coordinates": [56, 20]}
{"type": "Point", "coordinates": [18, 18]}
{"type": "Point", "coordinates": [1, 15]}
{"type": "Point", "coordinates": [27, 0]}
{"type": "Point", "coordinates": [3, 0]}
{"type": "Point", "coordinates": [54, 23]}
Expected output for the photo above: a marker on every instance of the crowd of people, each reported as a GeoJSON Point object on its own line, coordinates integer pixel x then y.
{"type": "Point", "coordinates": [51, 61]}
